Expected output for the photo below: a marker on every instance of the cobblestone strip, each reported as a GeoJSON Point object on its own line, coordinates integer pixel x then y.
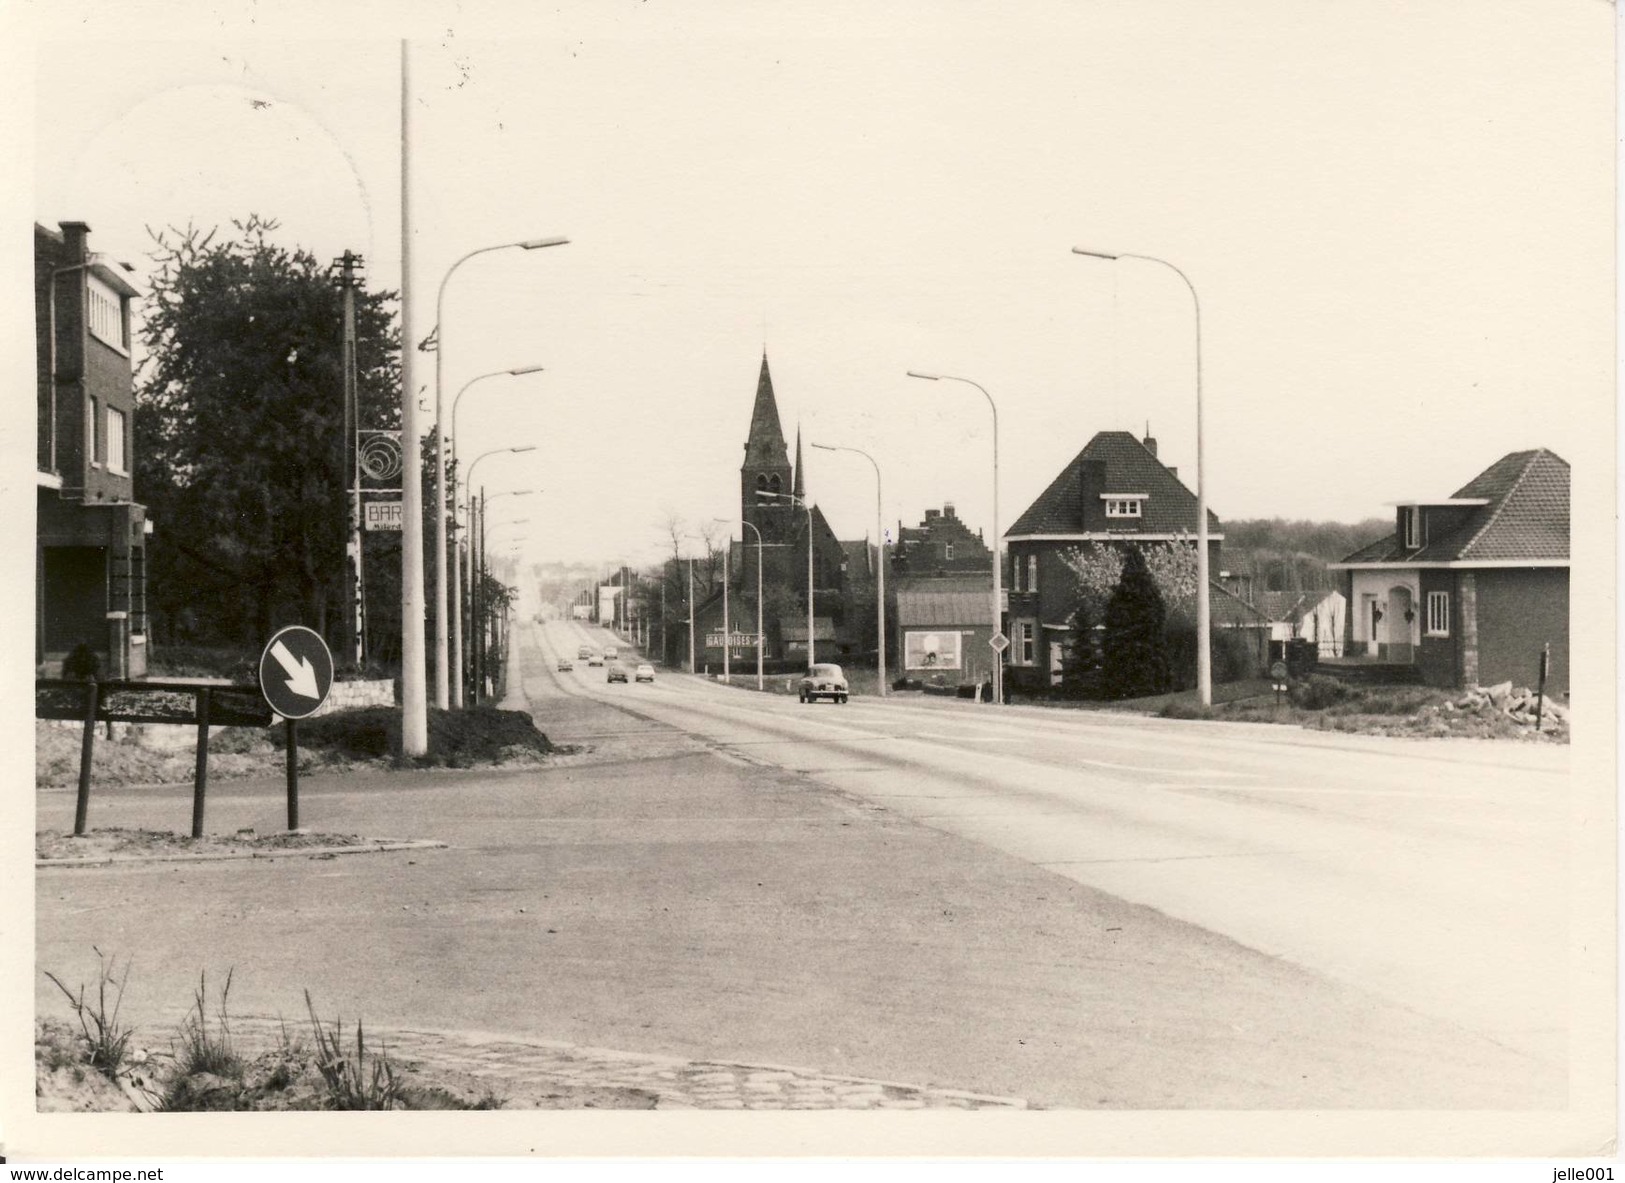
{"type": "Point", "coordinates": [513, 1068]}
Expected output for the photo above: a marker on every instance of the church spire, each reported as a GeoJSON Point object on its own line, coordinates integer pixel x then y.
{"type": "Point", "coordinates": [798, 486]}
{"type": "Point", "coordinates": [764, 446]}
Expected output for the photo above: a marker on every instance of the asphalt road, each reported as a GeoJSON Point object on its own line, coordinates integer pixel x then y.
{"type": "Point", "coordinates": [1083, 912]}
{"type": "Point", "coordinates": [1430, 874]}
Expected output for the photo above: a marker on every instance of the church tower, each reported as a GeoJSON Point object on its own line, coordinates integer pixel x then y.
{"type": "Point", "coordinates": [766, 468]}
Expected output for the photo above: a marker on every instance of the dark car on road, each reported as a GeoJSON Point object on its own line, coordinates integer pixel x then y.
{"type": "Point", "coordinates": [617, 672]}
{"type": "Point", "coordinates": [824, 681]}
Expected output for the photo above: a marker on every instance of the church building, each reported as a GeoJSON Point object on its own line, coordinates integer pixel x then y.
{"type": "Point", "coordinates": [778, 518]}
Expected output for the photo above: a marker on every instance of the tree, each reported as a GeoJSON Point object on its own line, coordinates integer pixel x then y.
{"type": "Point", "coordinates": [239, 414]}
{"type": "Point", "coordinates": [1134, 658]}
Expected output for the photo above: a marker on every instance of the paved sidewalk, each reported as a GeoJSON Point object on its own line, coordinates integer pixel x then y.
{"type": "Point", "coordinates": [518, 1070]}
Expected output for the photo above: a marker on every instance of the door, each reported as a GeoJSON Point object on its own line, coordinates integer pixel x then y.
{"type": "Point", "coordinates": [1372, 620]}
{"type": "Point", "coordinates": [1398, 620]}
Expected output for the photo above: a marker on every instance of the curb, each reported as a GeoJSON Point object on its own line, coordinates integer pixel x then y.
{"type": "Point", "coordinates": [222, 856]}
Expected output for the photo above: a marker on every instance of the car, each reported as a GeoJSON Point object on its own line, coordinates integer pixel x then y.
{"type": "Point", "coordinates": [566, 665]}
{"type": "Point", "coordinates": [617, 672]}
{"type": "Point", "coordinates": [611, 653]}
{"type": "Point", "coordinates": [595, 659]}
{"type": "Point", "coordinates": [824, 681]}
{"type": "Point", "coordinates": [583, 653]}
{"type": "Point", "coordinates": [646, 672]}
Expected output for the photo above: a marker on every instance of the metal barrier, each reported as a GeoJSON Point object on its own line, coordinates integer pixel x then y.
{"type": "Point", "coordinates": [161, 702]}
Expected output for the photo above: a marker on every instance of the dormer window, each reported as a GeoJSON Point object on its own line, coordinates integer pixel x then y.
{"type": "Point", "coordinates": [1123, 505]}
{"type": "Point", "coordinates": [1412, 518]}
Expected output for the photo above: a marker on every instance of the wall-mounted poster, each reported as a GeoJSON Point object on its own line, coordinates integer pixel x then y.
{"type": "Point", "coordinates": [931, 650]}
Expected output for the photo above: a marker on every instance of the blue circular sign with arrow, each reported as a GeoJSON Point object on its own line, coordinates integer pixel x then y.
{"type": "Point", "coordinates": [296, 672]}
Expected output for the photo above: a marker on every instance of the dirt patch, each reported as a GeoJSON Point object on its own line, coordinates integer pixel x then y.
{"type": "Point", "coordinates": [115, 842]}
{"type": "Point", "coordinates": [293, 1076]}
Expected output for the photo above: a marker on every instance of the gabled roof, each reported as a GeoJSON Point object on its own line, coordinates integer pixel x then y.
{"type": "Point", "coordinates": [1526, 518]}
{"type": "Point", "coordinates": [764, 446]}
{"type": "Point", "coordinates": [1227, 609]}
{"type": "Point", "coordinates": [1169, 507]}
{"type": "Point", "coordinates": [860, 557]}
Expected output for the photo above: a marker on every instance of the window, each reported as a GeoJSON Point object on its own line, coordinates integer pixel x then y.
{"type": "Point", "coordinates": [761, 487]}
{"type": "Point", "coordinates": [115, 441]}
{"type": "Point", "coordinates": [1032, 573]}
{"type": "Point", "coordinates": [948, 552]}
{"type": "Point", "coordinates": [1413, 527]}
{"type": "Point", "coordinates": [1024, 642]}
{"type": "Point", "coordinates": [107, 315]}
{"type": "Point", "coordinates": [1438, 614]}
{"type": "Point", "coordinates": [1015, 572]}
{"type": "Point", "coordinates": [92, 456]}
{"type": "Point", "coordinates": [773, 484]}
{"type": "Point", "coordinates": [1122, 507]}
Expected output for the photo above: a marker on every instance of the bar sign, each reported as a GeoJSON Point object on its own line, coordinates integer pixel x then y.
{"type": "Point", "coordinates": [383, 515]}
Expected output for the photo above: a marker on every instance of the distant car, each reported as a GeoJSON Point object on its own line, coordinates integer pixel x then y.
{"type": "Point", "coordinates": [595, 659]}
{"type": "Point", "coordinates": [646, 672]}
{"type": "Point", "coordinates": [566, 665]}
{"type": "Point", "coordinates": [617, 672]}
{"type": "Point", "coordinates": [824, 681]}
{"type": "Point", "coordinates": [611, 653]}
{"type": "Point", "coordinates": [583, 653]}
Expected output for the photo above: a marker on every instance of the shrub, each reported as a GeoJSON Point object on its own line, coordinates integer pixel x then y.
{"type": "Point", "coordinates": [1318, 692]}
{"type": "Point", "coordinates": [1134, 658]}
{"type": "Point", "coordinates": [201, 1050]}
{"type": "Point", "coordinates": [351, 1085]}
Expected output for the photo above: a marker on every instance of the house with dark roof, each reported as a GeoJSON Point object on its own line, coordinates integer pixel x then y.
{"type": "Point", "coordinates": [1470, 588]}
{"type": "Point", "coordinates": [1115, 492]}
{"type": "Point", "coordinates": [941, 628]}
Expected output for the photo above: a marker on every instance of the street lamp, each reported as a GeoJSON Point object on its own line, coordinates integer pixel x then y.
{"type": "Point", "coordinates": [880, 584]}
{"type": "Point", "coordinates": [441, 683]}
{"type": "Point", "coordinates": [1204, 656]}
{"type": "Point", "coordinates": [806, 505]}
{"type": "Point", "coordinates": [998, 564]}
{"type": "Point", "coordinates": [456, 550]}
{"type": "Point", "coordinates": [440, 652]}
{"type": "Point", "coordinates": [761, 636]}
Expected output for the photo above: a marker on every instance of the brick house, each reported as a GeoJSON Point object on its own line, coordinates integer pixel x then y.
{"type": "Point", "coordinates": [1114, 492]}
{"type": "Point", "coordinates": [940, 545]}
{"type": "Point", "coordinates": [1469, 588]}
{"type": "Point", "coordinates": [90, 535]}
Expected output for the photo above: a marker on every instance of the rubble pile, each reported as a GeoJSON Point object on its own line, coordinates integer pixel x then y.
{"type": "Point", "coordinates": [1516, 704]}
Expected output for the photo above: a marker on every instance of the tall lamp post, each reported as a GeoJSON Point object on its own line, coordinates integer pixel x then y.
{"type": "Point", "coordinates": [442, 691]}
{"type": "Point", "coordinates": [761, 636]}
{"type": "Point", "coordinates": [472, 466]}
{"type": "Point", "coordinates": [998, 562]}
{"type": "Point", "coordinates": [456, 550]}
{"type": "Point", "coordinates": [880, 581]}
{"type": "Point", "coordinates": [1204, 625]}
{"type": "Point", "coordinates": [472, 609]}
{"type": "Point", "coordinates": [806, 505]}
{"type": "Point", "coordinates": [487, 629]}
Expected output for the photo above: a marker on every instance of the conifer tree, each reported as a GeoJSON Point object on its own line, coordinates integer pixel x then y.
{"type": "Point", "coordinates": [1134, 661]}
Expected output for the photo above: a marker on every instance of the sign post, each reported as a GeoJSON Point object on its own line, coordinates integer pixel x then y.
{"type": "Point", "coordinates": [296, 673]}
{"type": "Point", "coordinates": [1278, 675]}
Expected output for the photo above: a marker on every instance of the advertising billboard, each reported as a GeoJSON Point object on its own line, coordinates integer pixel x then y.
{"type": "Point", "coordinates": [927, 650]}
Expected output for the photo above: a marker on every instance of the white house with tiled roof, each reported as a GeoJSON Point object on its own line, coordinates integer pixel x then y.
{"type": "Point", "coordinates": [1470, 588]}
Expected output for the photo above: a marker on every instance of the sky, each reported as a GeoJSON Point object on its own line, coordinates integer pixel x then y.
{"type": "Point", "coordinates": [1398, 219]}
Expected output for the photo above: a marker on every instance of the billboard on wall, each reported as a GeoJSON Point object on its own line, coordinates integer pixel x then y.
{"type": "Point", "coordinates": [924, 650]}
{"type": "Point", "coordinates": [606, 603]}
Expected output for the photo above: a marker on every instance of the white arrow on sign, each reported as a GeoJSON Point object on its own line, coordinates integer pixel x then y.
{"type": "Point", "coordinates": [301, 674]}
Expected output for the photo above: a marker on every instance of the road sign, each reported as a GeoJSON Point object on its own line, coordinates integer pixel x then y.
{"type": "Point", "coordinates": [383, 515]}
{"type": "Point", "coordinates": [1278, 671]}
{"type": "Point", "coordinates": [1000, 642]}
{"type": "Point", "coordinates": [296, 672]}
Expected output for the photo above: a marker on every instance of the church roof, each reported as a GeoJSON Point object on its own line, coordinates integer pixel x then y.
{"type": "Point", "coordinates": [764, 447]}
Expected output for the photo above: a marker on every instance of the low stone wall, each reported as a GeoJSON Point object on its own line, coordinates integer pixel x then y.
{"type": "Point", "coordinates": [346, 696]}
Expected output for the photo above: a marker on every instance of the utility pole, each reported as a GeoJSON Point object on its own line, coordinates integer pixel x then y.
{"type": "Point", "coordinates": [414, 697]}
{"type": "Point", "coordinates": [355, 624]}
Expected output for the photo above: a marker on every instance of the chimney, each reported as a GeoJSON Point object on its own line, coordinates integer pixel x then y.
{"type": "Point", "coordinates": [1149, 441]}
{"type": "Point", "coordinates": [947, 509]}
{"type": "Point", "coordinates": [1091, 484]}
{"type": "Point", "coordinates": [932, 514]}
{"type": "Point", "coordinates": [74, 235]}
